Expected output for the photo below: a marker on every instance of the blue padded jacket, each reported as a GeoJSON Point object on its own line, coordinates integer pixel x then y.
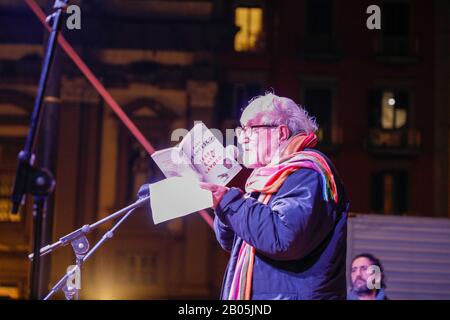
{"type": "Point", "coordinates": [300, 239]}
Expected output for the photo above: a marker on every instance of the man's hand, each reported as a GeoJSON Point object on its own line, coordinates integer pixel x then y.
{"type": "Point", "coordinates": [217, 191]}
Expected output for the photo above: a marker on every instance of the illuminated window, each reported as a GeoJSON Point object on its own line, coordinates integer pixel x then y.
{"type": "Point", "coordinates": [6, 182]}
{"type": "Point", "coordinates": [393, 116]}
{"type": "Point", "coordinates": [250, 22]}
{"type": "Point", "coordinates": [8, 154]}
{"type": "Point", "coordinates": [389, 109]}
{"type": "Point", "coordinates": [8, 292]}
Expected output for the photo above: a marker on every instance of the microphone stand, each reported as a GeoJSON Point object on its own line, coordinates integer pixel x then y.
{"type": "Point", "coordinates": [80, 246]}
{"type": "Point", "coordinates": [30, 179]}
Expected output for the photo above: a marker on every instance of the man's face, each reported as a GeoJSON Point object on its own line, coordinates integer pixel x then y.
{"type": "Point", "coordinates": [360, 275]}
{"type": "Point", "coordinates": [259, 145]}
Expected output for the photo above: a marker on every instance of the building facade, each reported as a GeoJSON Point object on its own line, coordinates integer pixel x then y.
{"type": "Point", "coordinates": [380, 98]}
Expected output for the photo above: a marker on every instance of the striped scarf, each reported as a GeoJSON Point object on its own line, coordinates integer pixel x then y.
{"type": "Point", "coordinates": [267, 181]}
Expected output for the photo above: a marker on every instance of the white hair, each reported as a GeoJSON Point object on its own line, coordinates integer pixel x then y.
{"type": "Point", "coordinates": [280, 110]}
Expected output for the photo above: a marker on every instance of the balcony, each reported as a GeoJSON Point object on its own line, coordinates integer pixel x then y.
{"type": "Point", "coordinates": [394, 142]}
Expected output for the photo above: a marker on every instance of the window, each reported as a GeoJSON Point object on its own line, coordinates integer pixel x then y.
{"type": "Point", "coordinates": [390, 192]}
{"type": "Point", "coordinates": [9, 291]}
{"type": "Point", "coordinates": [389, 109]}
{"type": "Point", "coordinates": [318, 101]}
{"type": "Point", "coordinates": [395, 27]}
{"type": "Point", "coordinates": [319, 17]}
{"type": "Point", "coordinates": [318, 41]}
{"type": "Point", "coordinates": [390, 122]}
{"type": "Point", "coordinates": [393, 115]}
{"type": "Point", "coordinates": [249, 20]}
{"type": "Point", "coordinates": [395, 19]}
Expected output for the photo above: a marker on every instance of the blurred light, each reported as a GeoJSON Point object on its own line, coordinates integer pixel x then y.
{"type": "Point", "coordinates": [9, 292]}
{"type": "Point", "coordinates": [391, 101]}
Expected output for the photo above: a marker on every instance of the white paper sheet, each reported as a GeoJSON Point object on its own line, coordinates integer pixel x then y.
{"type": "Point", "coordinates": [177, 197]}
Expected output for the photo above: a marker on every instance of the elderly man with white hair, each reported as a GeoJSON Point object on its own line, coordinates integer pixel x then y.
{"type": "Point", "coordinates": [287, 232]}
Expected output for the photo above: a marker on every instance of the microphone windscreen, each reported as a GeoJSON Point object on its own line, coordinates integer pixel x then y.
{"type": "Point", "coordinates": [144, 191]}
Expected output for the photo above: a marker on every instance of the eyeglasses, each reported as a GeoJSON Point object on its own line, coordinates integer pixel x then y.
{"type": "Point", "coordinates": [248, 131]}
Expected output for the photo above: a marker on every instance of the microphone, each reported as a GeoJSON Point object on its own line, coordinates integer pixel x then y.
{"type": "Point", "coordinates": [144, 191]}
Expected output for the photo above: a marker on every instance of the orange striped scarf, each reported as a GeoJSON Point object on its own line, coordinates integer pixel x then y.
{"type": "Point", "coordinates": [268, 180]}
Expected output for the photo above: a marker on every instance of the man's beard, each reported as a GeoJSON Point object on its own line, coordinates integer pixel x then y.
{"type": "Point", "coordinates": [361, 289]}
